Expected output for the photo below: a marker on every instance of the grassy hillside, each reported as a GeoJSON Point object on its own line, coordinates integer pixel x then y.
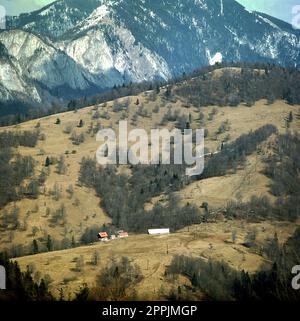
{"type": "Point", "coordinates": [65, 207]}
{"type": "Point", "coordinates": [153, 254]}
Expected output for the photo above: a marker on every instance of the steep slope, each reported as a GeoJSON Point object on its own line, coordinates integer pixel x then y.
{"type": "Point", "coordinates": [15, 86]}
{"type": "Point", "coordinates": [36, 64]}
{"type": "Point", "coordinates": [54, 19]}
{"type": "Point", "coordinates": [122, 57]}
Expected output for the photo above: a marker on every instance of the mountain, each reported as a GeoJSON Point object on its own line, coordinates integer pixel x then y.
{"type": "Point", "coordinates": [33, 66]}
{"type": "Point", "coordinates": [79, 47]}
{"type": "Point", "coordinates": [56, 18]}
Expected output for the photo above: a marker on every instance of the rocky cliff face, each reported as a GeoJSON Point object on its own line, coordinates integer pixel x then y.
{"type": "Point", "coordinates": [71, 48]}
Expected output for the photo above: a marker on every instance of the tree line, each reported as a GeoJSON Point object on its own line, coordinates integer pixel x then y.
{"type": "Point", "coordinates": [283, 167]}
{"type": "Point", "coordinates": [231, 88]}
{"type": "Point", "coordinates": [220, 282]}
{"type": "Point", "coordinates": [234, 154]}
{"type": "Point", "coordinates": [114, 282]}
{"type": "Point", "coordinates": [19, 138]}
{"type": "Point", "coordinates": [20, 285]}
{"type": "Point", "coordinates": [14, 168]}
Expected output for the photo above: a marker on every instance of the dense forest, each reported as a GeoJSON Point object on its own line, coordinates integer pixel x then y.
{"type": "Point", "coordinates": [20, 286]}
{"type": "Point", "coordinates": [283, 167]}
{"type": "Point", "coordinates": [14, 168]}
{"type": "Point", "coordinates": [247, 85]}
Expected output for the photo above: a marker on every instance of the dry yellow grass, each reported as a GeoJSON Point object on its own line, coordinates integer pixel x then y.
{"type": "Point", "coordinates": [154, 253]}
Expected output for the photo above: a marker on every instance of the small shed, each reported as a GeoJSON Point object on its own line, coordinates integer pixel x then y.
{"type": "Point", "coordinates": [123, 234]}
{"type": "Point", "coordinates": [159, 231]}
{"type": "Point", "coordinates": [103, 236]}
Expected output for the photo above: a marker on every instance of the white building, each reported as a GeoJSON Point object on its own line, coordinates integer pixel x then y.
{"type": "Point", "coordinates": [160, 231]}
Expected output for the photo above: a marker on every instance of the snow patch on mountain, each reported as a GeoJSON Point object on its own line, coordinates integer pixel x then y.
{"type": "Point", "coordinates": [95, 18]}
{"type": "Point", "coordinates": [217, 58]}
{"type": "Point", "coordinates": [268, 22]}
